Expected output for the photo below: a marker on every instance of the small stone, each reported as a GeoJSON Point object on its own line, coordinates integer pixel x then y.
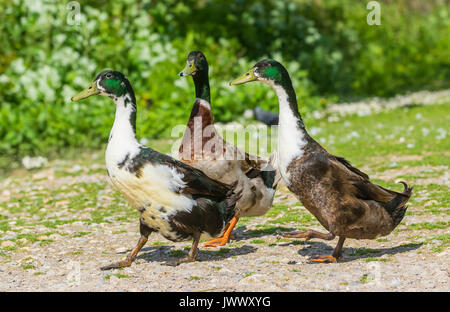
{"type": "Point", "coordinates": [8, 237]}
{"type": "Point", "coordinates": [55, 236]}
{"type": "Point", "coordinates": [42, 237]}
{"type": "Point", "coordinates": [76, 168]}
{"type": "Point", "coordinates": [121, 249]}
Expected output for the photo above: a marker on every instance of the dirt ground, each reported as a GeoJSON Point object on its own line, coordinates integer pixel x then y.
{"type": "Point", "coordinates": [66, 257]}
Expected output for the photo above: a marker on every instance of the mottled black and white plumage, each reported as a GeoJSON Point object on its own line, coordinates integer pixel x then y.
{"type": "Point", "coordinates": [174, 199]}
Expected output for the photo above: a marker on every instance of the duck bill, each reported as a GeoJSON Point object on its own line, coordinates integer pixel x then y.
{"type": "Point", "coordinates": [189, 70]}
{"type": "Point", "coordinates": [89, 91]}
{"type": "Point", "coordinates": [247, 77]}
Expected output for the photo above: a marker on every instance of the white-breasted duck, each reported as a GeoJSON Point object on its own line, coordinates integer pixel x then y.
{"type": "Point", "coordinates": [202, 147]}
{"type": "Point", "coordinates": [176, 200]}
{"type": "Point", "coordinates": [340, 196]}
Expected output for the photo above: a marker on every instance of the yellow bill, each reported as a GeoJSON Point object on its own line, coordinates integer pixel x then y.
{"type": "Point", "coordinates": [89, 91]}
{"type": "Point", "coordinates": [188, 70]}
{"type": "Point", "coordinates": [247, 77]}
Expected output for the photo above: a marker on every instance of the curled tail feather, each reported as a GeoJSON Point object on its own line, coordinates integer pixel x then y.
{"type": "Point", "coordinates": [396, 207]}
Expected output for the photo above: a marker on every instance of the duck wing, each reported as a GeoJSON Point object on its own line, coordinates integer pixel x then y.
{"type": "Point", "coordinates": [192, 181]}
{"type": "Point", "coordinates": [393, 202]}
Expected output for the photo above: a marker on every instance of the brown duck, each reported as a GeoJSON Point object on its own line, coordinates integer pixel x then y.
{"type": "Point", "coordinates": [339, 195]}
{"type": "Point", "coordinates": [203, 148]}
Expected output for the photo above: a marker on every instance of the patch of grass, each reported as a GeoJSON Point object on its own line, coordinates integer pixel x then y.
{"type": "Point", "coordinates": [258, 241]}
{"type": "Point", "coordinates": [429, 225]}
{"type": "Point", "coordinates": [194, 278]}
{"type": "Point", "coordinates": [118, 275]}
{"type": "Point", "coordinates": [268, 230]}
{"type": "Point", "coordinates": [222, 251]}
{"type": "Point", "coordinates": [364, 251]}
{"type": "Point", "coordinates": [365, 279]}
{"type": "Point", "coordinates": [38, 273]}
{"type": "Point", "coordinates": [437, 249]}
{"type": "Point", "coordinates": [372, 259]}
{"type": "Point", "coordinates": [45, 242]}
{"type": "Point", "coordinates": [158, 243]}
{"type": "Point", "coordinates": [176, 253]}
{"type": "Point", "coordinates": [28, 266]}
{"type": "Point", "coordinates": [10, 248]}
{"type": "Point", "coordinates": [247, 274]}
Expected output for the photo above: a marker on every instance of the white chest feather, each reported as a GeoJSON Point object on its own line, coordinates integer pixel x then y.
{"type": "Point", "coordinates": [291, 139]}
{"type": "Point", "coordinates": [155, 188]}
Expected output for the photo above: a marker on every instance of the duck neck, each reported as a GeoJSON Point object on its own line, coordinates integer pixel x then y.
{"type": "Point", "coordinates": [201, 82]}
{"type": "Point", "coordinates": [292, 136]}
{"type": "Point", "coordinates": [287, 101]}
{"type": "Point", "coordinates": [124, 128]}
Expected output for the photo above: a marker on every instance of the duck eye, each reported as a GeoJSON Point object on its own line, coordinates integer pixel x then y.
{"type": "Point", "coordinates": [108, 76]}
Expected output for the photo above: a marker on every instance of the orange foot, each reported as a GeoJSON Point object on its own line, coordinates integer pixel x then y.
{"type": "Point", "coordinates": [325, 259]}
{"type": "Point", "coordinates": [216, 242]}
{"type": "Point", "coordinates": [226, 236]}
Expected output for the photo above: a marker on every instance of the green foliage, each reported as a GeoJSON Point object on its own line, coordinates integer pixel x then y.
{"type": "Point", "coordinates": [327, 47]}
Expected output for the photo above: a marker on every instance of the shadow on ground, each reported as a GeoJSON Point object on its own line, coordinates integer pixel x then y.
{"type": "Point", "coordinates": [169, 254]}
{"type": "Point", "coordinates": [351, 254]}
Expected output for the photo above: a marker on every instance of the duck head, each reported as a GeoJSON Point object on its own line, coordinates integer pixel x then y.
{"type": "Point", "coordinates": [267, 71]}
{"type": "Point", "coordinates": [109, 83]}
{"type": "Point", "coordinates": [196, 63]}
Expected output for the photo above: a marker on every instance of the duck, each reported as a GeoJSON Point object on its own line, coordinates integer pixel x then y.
{"type": "Point", "coordinates": [342, 198]}
{"type": "Point", "coordinates": [203, 148]}
{"type": "Point", "coordinates": [266, 117]}
{"type": "Point", "coordinates": [174, 199]}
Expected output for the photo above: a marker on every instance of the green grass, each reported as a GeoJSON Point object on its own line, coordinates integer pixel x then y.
{"type": "Point", "coordinates": [177, 253]}
{"type": "Point", "coordinates": [372, 259]}
{"type": "Point", "coordinates": [194, 278]}
{"type": "Point", "coordinates": [118, 275]}
{"type": "Point", "coordinates": [258, 241]}
{"type": "Point", "coordinates": [365, 279]}
{"type": "Point", "coordinates": [28, 266]}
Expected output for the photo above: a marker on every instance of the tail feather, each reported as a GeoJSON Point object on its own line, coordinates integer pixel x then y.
{"type": "Point", "coordinates": [396, 207]}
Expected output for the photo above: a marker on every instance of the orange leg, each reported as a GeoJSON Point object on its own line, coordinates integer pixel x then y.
{"type": "Point", "coordinates": [224, 239]}
{"type": "Point", "coordinates": [335, 257]}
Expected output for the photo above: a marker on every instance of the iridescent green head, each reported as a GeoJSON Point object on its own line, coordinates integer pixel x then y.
{"type": "Point", "coordinates": [268, 71]}
{"type": "Point", "coordinates": [109, 83]}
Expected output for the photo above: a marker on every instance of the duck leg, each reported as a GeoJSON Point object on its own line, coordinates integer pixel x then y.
{"type": "Point", "coordinates": [308, 234]}
{"type": "Point", "coordinates": [337, 254]}
{"type": "Point", "coordinates": [192, 255]}
{"type": "Point", "coordinates": [145, 232]}
{"type": "Point", "coordinates": [225, 237]}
